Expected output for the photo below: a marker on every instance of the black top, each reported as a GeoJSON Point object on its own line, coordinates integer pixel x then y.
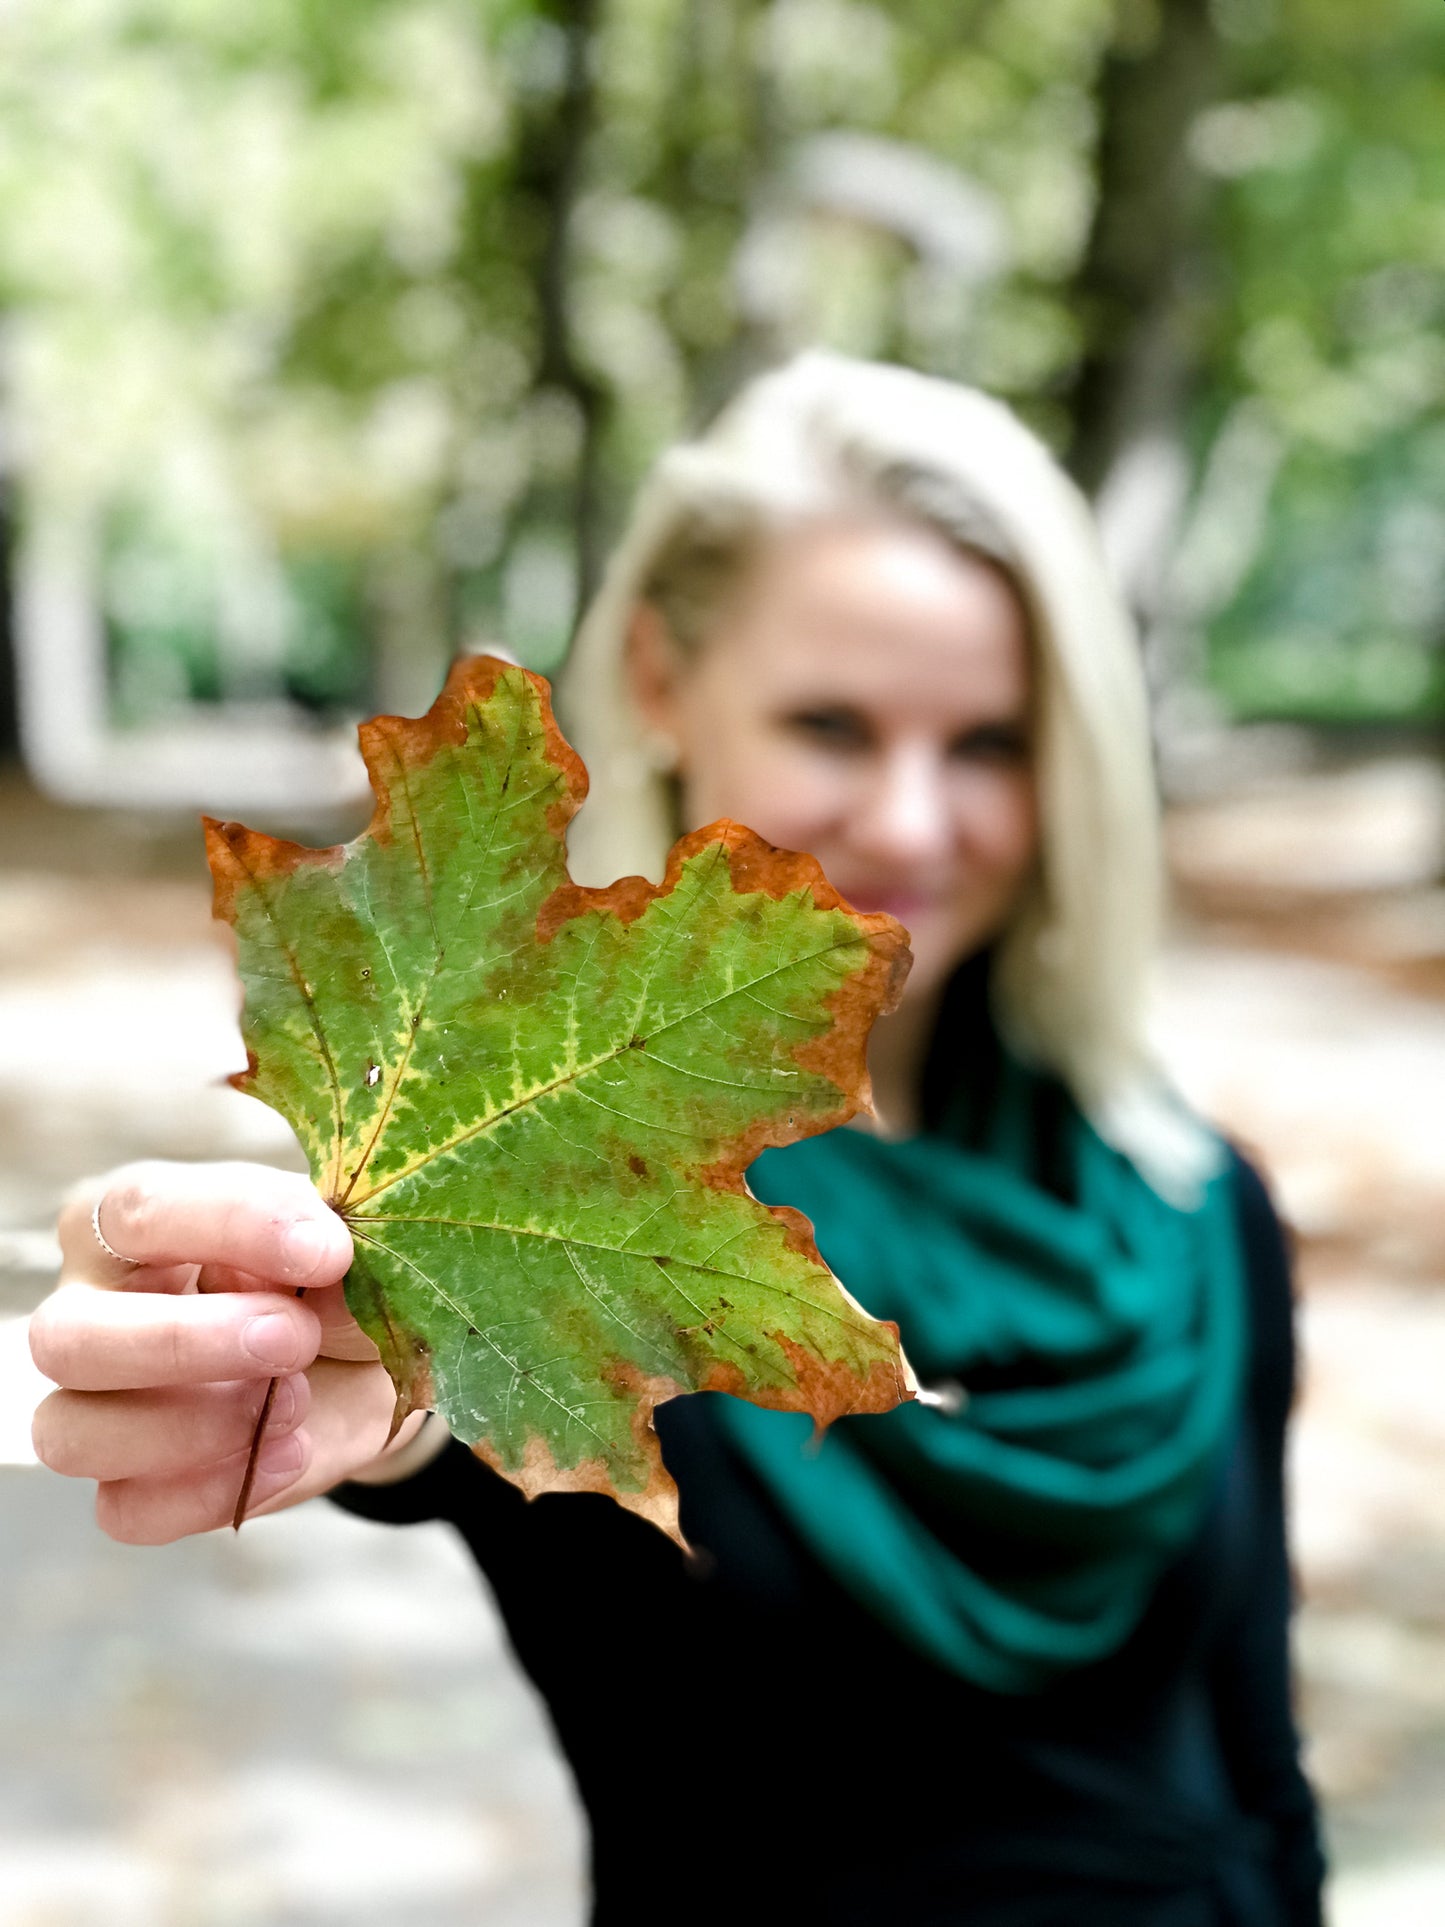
{"type": "Point", "coordinates": [750, 1745]}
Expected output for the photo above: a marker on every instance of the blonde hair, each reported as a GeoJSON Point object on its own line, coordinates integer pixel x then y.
{"type": "Point", "coordinates": [824, 436]}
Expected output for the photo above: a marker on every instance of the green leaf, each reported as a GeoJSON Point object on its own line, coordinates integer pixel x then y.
{"type": "Point", "coordinates": [533, 1103]}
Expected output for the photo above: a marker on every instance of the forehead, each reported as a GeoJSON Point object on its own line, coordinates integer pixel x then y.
{"type": "Point", "coordinates": [884, 614]}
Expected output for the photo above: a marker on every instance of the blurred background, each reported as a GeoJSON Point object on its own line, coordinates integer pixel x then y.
{"type": "Point", "coordinates": [334, 340]}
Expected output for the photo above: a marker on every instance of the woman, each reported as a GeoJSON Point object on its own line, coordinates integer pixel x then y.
{"type": "Point", "coordinates": [1021, 1662]}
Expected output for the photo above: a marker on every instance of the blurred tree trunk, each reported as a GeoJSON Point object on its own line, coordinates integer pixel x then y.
{"type": "Point", "coordinates": [723, 100]}
{"type": "Point", "coordinates": [549, 177]}
{"type": "Point", "coordinates": [9, 667]}
{"type": "Point", "coordinates": [9, 646]}
{"type": "Point", "coordinates": [1133, 286]}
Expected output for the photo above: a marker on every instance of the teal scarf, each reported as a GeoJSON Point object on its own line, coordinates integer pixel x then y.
{"type": "Point", "coordinates": [1098, 1342]}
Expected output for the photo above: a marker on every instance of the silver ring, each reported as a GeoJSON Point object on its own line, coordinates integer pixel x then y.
{"type": "Point", "coordinates": [109, 1250]}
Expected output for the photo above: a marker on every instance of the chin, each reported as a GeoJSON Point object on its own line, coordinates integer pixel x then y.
{"type": "Point", "coordinates": [930, 972]}
{"type": "Point", "coordinates": [937, 956]}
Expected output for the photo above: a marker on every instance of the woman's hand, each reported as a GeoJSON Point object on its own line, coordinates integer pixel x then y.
{"type": "Point", "coordinates": [163, 1361]}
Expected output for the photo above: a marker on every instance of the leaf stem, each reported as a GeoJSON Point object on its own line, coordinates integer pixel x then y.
{"type": "Point", "coordinates": [257, 1437]}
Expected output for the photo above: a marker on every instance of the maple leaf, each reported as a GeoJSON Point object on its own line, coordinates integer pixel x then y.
{"type": "Point", "coordinates": [533, 1103]}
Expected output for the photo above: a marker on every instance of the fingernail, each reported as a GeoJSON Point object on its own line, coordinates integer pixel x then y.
{"type": "Point", "coordinates": [271, 1340]}
{"type": "Point", "coordinates": [286, 1406]}
{"type": "Point", "coordinates": [280, 1455]}
{"type": "Point", "coordinates": [303, 1246]}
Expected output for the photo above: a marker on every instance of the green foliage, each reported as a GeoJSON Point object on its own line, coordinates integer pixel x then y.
{"type": "Point", "coordinates": [296, 275]}
{"type": "Point", "coordinates": [533, 1104]}
{"type": "Point", "coordinates": [1327, 310]}
{"type": "Point", "coordinates": [1342, 616]}
{"type": "Point", "coordinates": [414, 290]}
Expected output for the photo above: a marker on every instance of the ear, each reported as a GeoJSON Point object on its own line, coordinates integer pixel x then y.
{"type": "Point", "coordinates": [655, 669]}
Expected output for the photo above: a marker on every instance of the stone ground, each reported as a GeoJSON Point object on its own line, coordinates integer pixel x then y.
{"type": "Point", "coordinates": [316, 1722]}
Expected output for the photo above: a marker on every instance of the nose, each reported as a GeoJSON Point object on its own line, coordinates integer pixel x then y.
{"type": "Point", "coordinates": [903, 816]}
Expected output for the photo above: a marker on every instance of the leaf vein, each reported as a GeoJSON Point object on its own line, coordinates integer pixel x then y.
{"type": "Point", "coordinates": [610, 1056]}
{"type": "Point", "coordinates": [522, 1372]}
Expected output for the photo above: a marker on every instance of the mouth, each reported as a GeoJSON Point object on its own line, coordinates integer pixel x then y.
{"type": "Point", "coordinates": [908, 906]}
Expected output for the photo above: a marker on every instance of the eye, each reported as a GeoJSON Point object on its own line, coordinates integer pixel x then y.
{"type": "Point", "coordinates": [829, 726]}
{"type": "Point", "coordinates": [992, 743]}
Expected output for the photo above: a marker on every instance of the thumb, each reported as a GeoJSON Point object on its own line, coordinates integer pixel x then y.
{"type": "Point", "coordinates": [341, 1336]}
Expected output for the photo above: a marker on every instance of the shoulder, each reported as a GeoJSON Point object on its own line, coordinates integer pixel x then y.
{"type": "Point", "coordinates": [1259, 1218]}
{"type": "Point", "coordinates": [1268, 1264]}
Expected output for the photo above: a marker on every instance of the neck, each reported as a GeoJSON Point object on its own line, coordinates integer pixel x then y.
{"type": "Point", "coordinates": [896, 1050]}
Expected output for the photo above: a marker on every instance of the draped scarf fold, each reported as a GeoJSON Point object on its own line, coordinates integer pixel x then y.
{"type": "Point", "coordinates": [1096, 1331]}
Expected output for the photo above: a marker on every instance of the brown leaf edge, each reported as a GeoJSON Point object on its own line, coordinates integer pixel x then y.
{"type": "Point", "coordinates": [238, 856]}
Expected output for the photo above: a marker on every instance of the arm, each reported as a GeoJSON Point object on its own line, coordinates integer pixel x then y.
{"type": "Point", "coordinates": [163, 1356]}
{"type": "Point", "coordinates": [1251, 1675]}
